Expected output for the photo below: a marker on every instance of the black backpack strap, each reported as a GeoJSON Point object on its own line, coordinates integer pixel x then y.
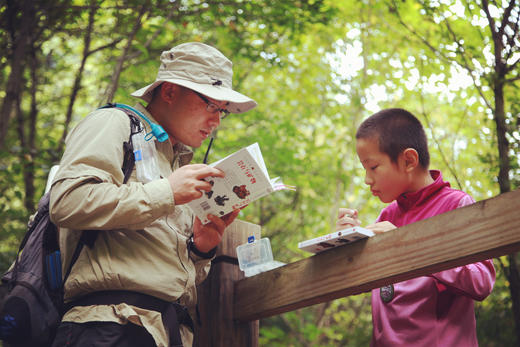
{"type": "Point", "coordinates": [128, 159]}
{"type": "Point", "coordinates": [135, 127]}
{"type": "Point", "coordinates": [75, 256]}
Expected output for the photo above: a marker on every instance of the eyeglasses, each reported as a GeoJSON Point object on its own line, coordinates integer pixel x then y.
{"type": "Point", "coordinates": [212, 108]}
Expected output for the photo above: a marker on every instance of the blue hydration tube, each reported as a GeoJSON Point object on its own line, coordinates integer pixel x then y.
{"type": "Point", "coordinates": [157, 130]}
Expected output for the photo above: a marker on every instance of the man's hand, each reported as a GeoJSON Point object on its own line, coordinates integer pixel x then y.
{"type": "Point", "coordinates": [206, 237]}
{"type": "Point", "coordinates": [381, 227]}
{"type": "Point", "coordinates": [347, 217]}
{"type": "Point", "coordinates": [187, 184]}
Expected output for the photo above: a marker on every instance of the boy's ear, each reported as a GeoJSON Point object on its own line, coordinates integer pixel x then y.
{"type": "Point", "coordinates": [411, 159]}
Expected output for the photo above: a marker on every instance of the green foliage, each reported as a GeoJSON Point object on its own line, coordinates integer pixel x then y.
{"type": "Point", "coordinates": [342, 322]}
{"type": "Point", "coordinates": [317, 69]}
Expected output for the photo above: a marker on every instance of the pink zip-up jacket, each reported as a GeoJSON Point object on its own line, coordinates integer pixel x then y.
{"type": "Point", "coordinates": [434, 310]}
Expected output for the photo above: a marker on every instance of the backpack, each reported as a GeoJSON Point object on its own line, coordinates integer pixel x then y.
{"type": "Point", "coordinates": [31, 294]}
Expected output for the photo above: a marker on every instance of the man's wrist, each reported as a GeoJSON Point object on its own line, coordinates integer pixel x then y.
{"type": "Point", "coordinates": [196, 251]}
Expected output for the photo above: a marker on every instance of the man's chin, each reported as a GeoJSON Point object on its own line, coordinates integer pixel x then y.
{"type": "Point", "coordinates": [195, 144]}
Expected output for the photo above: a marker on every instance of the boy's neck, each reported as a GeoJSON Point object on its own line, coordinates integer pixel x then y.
{"type": "Point", "coordinates": [422, 179]}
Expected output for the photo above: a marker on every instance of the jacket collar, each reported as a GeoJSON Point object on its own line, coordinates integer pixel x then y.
{"type": "Point", "coordinates": [184, 153]}
{"type": "Point", "coordinates": [409, 200]}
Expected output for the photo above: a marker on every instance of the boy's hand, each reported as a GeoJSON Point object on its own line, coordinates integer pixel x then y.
{"type": "Point", "coordinates": [347, 218]}
{"type": "Point", "coordinates": [206, 237]}
{"type": "Point", "coordinates": [381, 227]}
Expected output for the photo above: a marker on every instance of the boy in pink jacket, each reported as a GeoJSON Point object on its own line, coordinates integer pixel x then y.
{"type": "Point", "coordinates": [434, 310]}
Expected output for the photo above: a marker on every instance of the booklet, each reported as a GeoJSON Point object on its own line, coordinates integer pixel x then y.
{"type": "Point", "coordinates": [246, 180]}
{"type": "Point", "coordinates": [335, 239]}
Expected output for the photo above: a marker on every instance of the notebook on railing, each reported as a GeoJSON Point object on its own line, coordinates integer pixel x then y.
{"type": "Point", "coordinates": [335, 239]}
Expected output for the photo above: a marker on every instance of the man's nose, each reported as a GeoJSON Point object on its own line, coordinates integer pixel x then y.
{"type": "Point", "coordinates": [214, 120]}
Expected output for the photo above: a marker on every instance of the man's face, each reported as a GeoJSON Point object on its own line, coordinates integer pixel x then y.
{"type": "Point", "coordinates": [187, 119]}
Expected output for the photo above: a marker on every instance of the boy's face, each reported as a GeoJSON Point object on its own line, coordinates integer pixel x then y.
{"type": "Point", "coordinates": [387, 180]}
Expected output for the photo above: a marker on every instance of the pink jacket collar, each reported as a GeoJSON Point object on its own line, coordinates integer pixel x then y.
{"type": "Point", "coordinates": [408, 200]}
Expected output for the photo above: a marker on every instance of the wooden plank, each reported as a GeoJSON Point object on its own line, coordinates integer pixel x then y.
{"type": "Point", "coordinates": [487, 229]}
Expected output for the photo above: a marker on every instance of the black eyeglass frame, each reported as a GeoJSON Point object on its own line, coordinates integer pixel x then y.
{"type": "Point", "coordinates": [211, 107]}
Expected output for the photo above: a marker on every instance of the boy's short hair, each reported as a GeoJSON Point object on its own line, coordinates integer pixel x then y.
{"type": "Point", "coordinates": [396, 129]}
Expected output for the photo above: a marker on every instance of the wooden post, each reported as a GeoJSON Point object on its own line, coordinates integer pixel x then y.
{"type": "Point", "coordinates": [216, 295]}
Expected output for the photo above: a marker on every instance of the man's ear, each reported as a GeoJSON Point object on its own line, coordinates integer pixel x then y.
{"type": "Point", "coordinates": [411, 159]}
{"type": "Point", "coordinates": [169, 92]}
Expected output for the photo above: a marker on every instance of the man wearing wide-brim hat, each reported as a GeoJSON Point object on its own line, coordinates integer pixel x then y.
{"type": "Point", "coordinates": [135, 285]}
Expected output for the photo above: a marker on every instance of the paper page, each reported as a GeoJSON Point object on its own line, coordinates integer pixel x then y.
{"type": "Point", "coordinates": [254, 149]}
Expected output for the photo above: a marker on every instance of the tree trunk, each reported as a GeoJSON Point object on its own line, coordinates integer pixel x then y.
{"type": "Point", "coordinates": [21, 38]}
{"type": "Point", "coordinates": [513, 276]}
{"type": "Point", "coordinates": [30, 143]}
{"type": "Point", "coordinates": [505, 185]}
{"type": "Point", "coordinates": [503, 150]}
{"type": "Point", "coordinates": [111, 90]}
{"type": "Point", "coordinates": [79, 75]}
{"type": "Point", "coordinates": [503, 143]}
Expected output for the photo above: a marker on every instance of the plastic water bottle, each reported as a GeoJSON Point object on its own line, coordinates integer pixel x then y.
{"type": "Point", "coordinates": [145, 156]}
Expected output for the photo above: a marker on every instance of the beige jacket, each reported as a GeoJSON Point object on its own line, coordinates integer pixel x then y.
{"type": "Point", "coordinates": [143, 243]}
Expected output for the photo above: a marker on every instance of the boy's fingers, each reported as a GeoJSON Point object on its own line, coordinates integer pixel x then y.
{"type": "Point", "coordinates": [347, 212]}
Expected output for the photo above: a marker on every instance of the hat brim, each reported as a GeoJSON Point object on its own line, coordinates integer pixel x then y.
{"type": "Point", "coordinates": [238, 103]}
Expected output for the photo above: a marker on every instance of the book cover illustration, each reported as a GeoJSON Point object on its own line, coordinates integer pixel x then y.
{"type": "Point", "coordinates": [246, 180]}
{"type": "Point", "coordinates": [335, 239]}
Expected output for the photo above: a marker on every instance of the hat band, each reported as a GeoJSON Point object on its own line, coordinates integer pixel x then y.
{"type": "Point", "coordinates": [193, 77]}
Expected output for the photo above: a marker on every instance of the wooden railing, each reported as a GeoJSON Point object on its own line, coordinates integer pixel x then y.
{"type": "Point", "coordinates": [484, 230]}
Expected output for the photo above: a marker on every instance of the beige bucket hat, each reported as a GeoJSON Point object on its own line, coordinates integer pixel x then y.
{"type": "Point", "coordinates": [202, 68]}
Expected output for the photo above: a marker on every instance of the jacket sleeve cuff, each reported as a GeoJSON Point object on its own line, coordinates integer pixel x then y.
{"type": "Point", "coordinates": [160, 195]}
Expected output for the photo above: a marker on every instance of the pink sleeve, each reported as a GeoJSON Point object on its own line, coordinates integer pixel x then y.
{"type": "Point", "coordinates": [466, 200]}
{"type": "Point", "coordinates": [473, 280]}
